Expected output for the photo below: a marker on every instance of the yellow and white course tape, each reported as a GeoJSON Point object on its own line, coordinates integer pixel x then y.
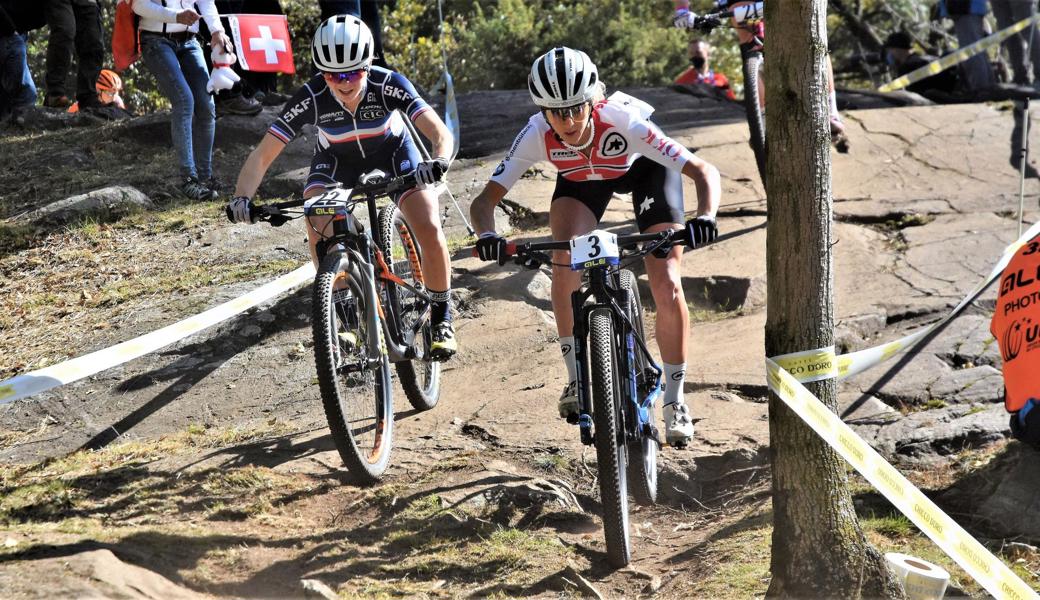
{"type": "Point", "coordinates": [957, 57]}
{"type": "Point", "coordinates": [787, 372]}
{"type": "Point", "coordinates": [991, 573]}
{"type": "Point", "coordinates": [41, 380]}
{"type": "Point", "coordinates": [822, 363]}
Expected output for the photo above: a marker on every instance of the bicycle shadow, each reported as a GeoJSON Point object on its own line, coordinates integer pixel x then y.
{"type": "Point", "coordinates": [200, 359]}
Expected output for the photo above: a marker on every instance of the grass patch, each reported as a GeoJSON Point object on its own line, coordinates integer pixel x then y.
{"type": "Point", "coordinates": [740, 566]}
{"type": "Point", "coordinates": [15, 237]}
{"type": "Point", "coordinates": [894, 527]}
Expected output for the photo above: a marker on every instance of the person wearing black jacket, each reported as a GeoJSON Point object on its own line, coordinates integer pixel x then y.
{"type": "Point", "coordinates": [74, 24]}
{"type": "Point", "coordinates": [17, 89]}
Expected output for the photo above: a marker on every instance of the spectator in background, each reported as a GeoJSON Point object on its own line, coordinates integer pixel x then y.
{"type": "Point", "coordinates": [74, 24]}
{"type": "Point", "coordinates": [367, 11]}
{"type": "Point", "coordinates": [902, 59]}
{"type": "Point", "coordinates": [17, 89]}
{"type": "Point", "coordinates": [1007, 13]}
{"type": "Point", "coordinates": [968, 16]}
{"type": "Point", "coordinates": [172, 53]}
{"type": "Point", "coordinates": [109, 85]}
{"type": "Point", "coordinates": [700, 71]}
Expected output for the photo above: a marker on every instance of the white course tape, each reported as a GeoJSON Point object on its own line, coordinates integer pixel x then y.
{"type": "Point", "coordinates": [991, 573]}
{"type": "Point", "coordinates": [822, 363]}
{"type": "Point", "coordinates": [921, 579]}
{"type": "Point", "coordinates": [28, 384]}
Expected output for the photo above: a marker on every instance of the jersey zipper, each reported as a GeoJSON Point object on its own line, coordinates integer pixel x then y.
{"type": "Point", "coordinates": [357, 138]}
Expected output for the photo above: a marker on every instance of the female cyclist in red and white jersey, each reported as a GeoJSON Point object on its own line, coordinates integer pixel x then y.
{"type": "Point", "coordinates": [601, 146]}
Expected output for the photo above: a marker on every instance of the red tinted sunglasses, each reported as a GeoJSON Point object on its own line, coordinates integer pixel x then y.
{"type": "Point", "coordinates": [348, 76]}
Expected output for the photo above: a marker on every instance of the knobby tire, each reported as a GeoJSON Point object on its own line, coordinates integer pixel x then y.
{"type": "Point", "coordinates": [752, 65]}
{"type": "Point", "coordinates": [420, 378]}
{"type": "Point", "coordinates": [610, 450]}
{"type": "Point", "coordinates": [358, 405]}
{"type": "Point", "coordinates": [642, 452]}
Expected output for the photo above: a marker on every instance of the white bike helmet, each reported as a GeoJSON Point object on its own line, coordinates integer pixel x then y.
{"type": "Point", "coordinates": [342, 43]}
{"type": "Point", "coordinates": [562, 77]}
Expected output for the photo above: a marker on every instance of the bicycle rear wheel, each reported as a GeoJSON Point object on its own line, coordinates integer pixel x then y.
{"type": "Point", "coordinates": [642, 452]}
{"type": "Point", "coordinates": [355, 391]}
{"type": "Point", "coordinates": [753, 83]}
{"type": "Point", "coordinates": [609, 432]}
{"type": "Point", "coordinates": [420, 377]}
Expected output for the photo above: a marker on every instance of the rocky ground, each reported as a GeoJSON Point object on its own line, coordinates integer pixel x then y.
{"type": "Point", "coordinates": [206, 469]}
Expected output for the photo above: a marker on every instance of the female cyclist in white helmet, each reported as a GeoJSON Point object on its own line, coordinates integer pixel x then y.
{"type": "Point", "coordinates": [601, 146]}
{"type": "Point", "coordinates": [358, 110]}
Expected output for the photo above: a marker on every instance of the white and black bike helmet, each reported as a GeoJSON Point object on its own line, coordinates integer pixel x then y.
{"type": "Point", "coordinates": [562, 77]}
{"type": "Point", "coordinates": [342, 43]}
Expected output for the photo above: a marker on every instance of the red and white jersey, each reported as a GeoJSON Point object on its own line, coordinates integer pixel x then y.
{"type": "Point", "coordinates": [622, 135]}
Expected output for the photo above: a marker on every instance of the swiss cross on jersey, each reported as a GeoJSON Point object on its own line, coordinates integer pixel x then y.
{"type": "Point", "coordinates": [263, 42]}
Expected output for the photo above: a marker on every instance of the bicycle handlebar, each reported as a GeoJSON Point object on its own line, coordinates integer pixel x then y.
{"type": "Point", "coordinates": [273, 213]}
{"type": "Point", "coordinates": [535, 250]}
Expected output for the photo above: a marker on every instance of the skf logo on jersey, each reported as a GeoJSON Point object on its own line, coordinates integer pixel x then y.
{"type": "Point", "coordinates": [297, 110]}
{"type": "Point", "coordinates": [498, 170]}
{"type": "Point", "coordinates": [370, 115]}
{"type": "Point", "coordinates": [562, 154]}
{"type": "Point", "coordinates": [396, 92]}
{"type": "Point", "coordinates": [406, 165]}
{"type": "Point", "coordinates": [614, 144]}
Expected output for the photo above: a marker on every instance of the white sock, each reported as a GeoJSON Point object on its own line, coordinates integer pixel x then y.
{"type": "Point", "coordinates": [567, 349]}
{"type": "Point", "coordinates": [834, 105]}
{"type": "Point", "coordinates": [673, 378]}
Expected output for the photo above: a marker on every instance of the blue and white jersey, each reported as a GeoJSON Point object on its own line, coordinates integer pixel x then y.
{"type": "Point", "coordinates": [362, 133]}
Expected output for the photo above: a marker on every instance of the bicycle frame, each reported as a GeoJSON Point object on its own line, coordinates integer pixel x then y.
{"type": "Point", "coordinates": [637, 413]}
{"type": "Point", "coordinates": [384, 332]}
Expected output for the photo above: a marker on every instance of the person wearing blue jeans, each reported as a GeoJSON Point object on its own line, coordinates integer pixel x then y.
{"type": "Point", "coordinates": [968, 22]}
{"type": "Point", "coordinates": [170, 50]}
{"type": "Point", "coordinates": [17, 89]}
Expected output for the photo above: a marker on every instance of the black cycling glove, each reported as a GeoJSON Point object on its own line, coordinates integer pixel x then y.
{"type": "Point", "coordinates": [492, 246]}
{"type": "Point", "coordinates": [700, 231]}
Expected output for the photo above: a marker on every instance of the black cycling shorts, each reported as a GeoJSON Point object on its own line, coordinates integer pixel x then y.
{"type": "Point", "coordinates": [657, 193]}
{"type": "Point", "coordinates": [327, 169]}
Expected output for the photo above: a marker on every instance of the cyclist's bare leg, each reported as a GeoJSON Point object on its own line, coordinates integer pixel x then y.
{"type": "Point", "coordinates": [673, 318]}
{"type": "Point", "coordinates": [420, 209]}
{"type": "Point", "coordinates": [567, 218]}
{"type": "Point", "coordinates": [315, 224]}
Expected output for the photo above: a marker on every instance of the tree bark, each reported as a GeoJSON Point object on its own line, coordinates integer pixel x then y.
{"type": "Point", "coordinates": [818, 547]}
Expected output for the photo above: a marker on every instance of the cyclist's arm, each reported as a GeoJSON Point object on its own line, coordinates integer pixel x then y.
{"type": "Point", "coordinates": [708, 182]}
{"type": "Point", "coordinates": [482, 209]}
{"type": "Point", "coordinates": [433, 128]}
{"type": "Point", "coordinates": [256, 165]}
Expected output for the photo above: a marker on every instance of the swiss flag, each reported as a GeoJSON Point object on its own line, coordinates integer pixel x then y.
{"type": "Point", "coordinates": [263, 42]}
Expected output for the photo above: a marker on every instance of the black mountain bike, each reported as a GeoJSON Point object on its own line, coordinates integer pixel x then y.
{"type": "Point", "coordinates": [746, 18]}
{"type": "Point", "coordinates": [618, 380]}
{"type": "Point", "coordinates": [370, 309]}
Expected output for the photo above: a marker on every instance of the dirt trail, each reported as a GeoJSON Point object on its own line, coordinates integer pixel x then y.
{"type": "Point", "coordinates": [214, 468]}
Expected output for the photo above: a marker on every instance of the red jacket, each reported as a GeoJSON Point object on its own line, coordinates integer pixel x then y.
{"type": "Point", "coordinates": [691, 76]}
{"type": "Point", "coordinates": [1016, 326]}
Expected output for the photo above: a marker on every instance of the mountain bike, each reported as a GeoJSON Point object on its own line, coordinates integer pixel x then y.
{"type": "Point", "coordinates": [747, 17]}
{"type": "Point", "coordinates": [618, 379]}
{"type": "Point", "coordinates": [369, 309]}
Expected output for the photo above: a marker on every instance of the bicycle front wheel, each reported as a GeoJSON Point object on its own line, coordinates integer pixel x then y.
{"type": "Point", "coordinates": [610, 448]}
{"type": "Point", "coordinates": [642, 452]}
{"type": "Point", "coordinates": [355, 389]}
{"type": "Point", "coordinates": [420, 377]}
{"type": "Point", "coordinates": [753, 87]}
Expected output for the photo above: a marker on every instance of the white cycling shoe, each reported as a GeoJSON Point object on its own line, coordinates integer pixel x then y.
{"type": "Point", "coordinates": [568, 403]}
{"type": "Point", "coordinates": [678, 427]}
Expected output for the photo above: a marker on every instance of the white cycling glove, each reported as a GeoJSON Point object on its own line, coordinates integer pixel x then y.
{"type": "Point", "coordinates": [239, 210]}
{"type": "Point", "coordinates": [684, 19]}
{"type": "Point", "coordinates": [429, 172]}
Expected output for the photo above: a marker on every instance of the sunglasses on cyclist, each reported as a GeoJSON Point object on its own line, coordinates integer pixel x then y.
{"type": "Point", "coordinates": [567, 112]}
{"type": "Point", "coordinates": [348, 76]}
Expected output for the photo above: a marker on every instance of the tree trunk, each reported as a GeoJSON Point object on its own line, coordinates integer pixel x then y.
{"type": "Point", "coordinates": [818, 547]}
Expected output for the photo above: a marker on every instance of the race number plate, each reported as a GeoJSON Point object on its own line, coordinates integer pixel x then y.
{"type": "Point", "coordinates": [595, 249]}
{"type": "Point", "coordinates": [332, 203]}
